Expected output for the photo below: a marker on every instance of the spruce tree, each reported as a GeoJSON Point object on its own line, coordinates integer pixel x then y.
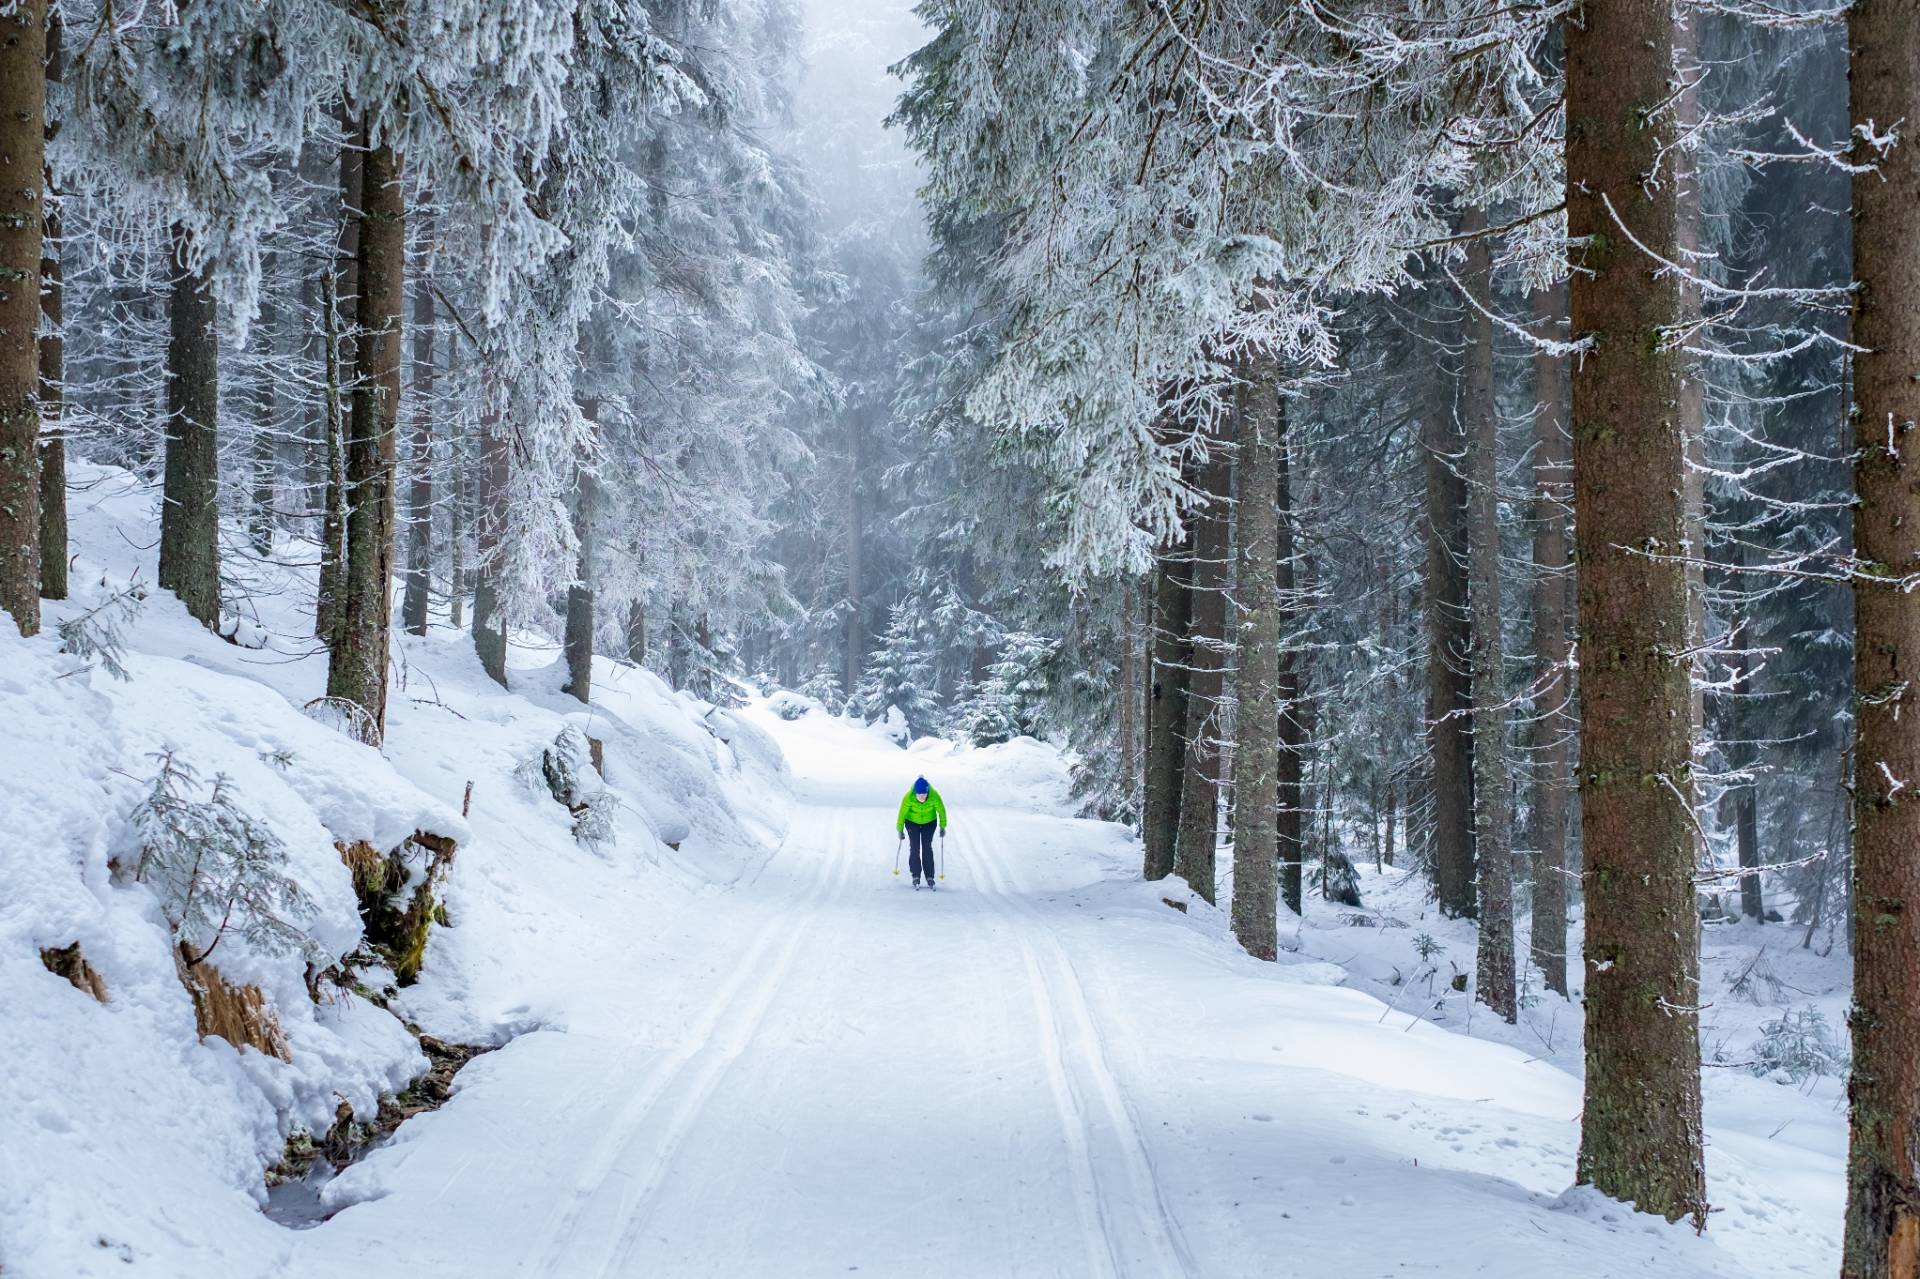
{"type": "Point", "coordinates": [1492, 812]}
{"type": "Point", "coordinates": [1640, 1137]}
{"type": "Point", "coordinates": [190, 490]}
{"type": "Point", "coordinates": [1258, 611]}
{"type": "Point", "coordinates": [358, 670]}
{"type": "Point", "coordinates": [23, 87]}
{"type": "Point", "coordinates": [1883, 1091]}
{"type": "Point", "coordinates": [1206, 683]}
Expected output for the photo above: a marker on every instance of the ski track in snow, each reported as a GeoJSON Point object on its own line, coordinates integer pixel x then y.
{"type": "Point", "coordinates": [1020, 1076]}
{"type": "Point", "coordinates": [1148, 1239]}
{"type": "Point", "coordinates": [703, 1057]}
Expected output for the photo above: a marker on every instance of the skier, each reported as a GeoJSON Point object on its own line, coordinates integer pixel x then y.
{"type": "Point", "coordinates": [920, 811]}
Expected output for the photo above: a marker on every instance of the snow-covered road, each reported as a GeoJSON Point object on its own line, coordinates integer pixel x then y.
{"type": "Point", "coordinates": [1040, 1070]}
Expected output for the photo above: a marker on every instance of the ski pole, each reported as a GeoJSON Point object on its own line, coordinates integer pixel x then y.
{"type": "Point", "coordinates": [896, 855]}
{"type": "Point", "coordinates": [943, 854]}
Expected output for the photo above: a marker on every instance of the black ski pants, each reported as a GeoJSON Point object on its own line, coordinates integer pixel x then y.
{"type": "Point", "coordinates": [920, 837]}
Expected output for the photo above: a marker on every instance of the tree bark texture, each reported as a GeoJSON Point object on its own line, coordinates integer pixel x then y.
{"type": "Point", "coordinates": [358, 671]}
{"type": "Point", "coordinates": [1200, 767]}
{"type": "Point", "coordinates": [1449, 658]}
{"type": "Point", "coordinates": [1291, 792]}
{"type": "Point", "coordinates": [190, 484]}
{"type": "Point", "coordinates": [53, 371]}
{"type": "Point", "coordinates": [1883, 1166]}
{"type": "Point", "coordinates": [637, 632]}
{"type": "Point", "coordinates": [580, 613]}
{"type": "Point", "coordinates": [1693, 423]}
{"type": "Point", "coordinates": [489, 623]}
{"type": "Point", "coordinates": [1257, 615]}
{"type": "Point", "coordinates": [1552, 594]}
{"type": "Point", "coordinates": [1744, 756]}
{"type": "Point", "coordinates": [419, 590]}
{"type": "Point", "coordinates": [260, 513]}
{"type": "Point", "coordinates": [458, 487]}
{"type": "Point", "coordinates": [1640, 1138]}
{"type": "Point", "coordinates": [1492, 796]}
{"type": "Point", "coordinates": [23, 97]}
{"type": "Point", "coordinates": [1130, 640]}
{"type": "Point", "coordinates": [339, 323]}
{"type": "Point", "coordinates": [1167, 710]}
{"type": "Point", "coordinates": [856, 537]}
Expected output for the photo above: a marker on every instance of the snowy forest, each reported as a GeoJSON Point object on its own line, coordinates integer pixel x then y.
{"type": "Point", "coordinates": [1387, 529]}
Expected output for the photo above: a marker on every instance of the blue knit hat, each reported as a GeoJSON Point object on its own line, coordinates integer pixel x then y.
{"type": "Point", "coordinates": [920, 786]}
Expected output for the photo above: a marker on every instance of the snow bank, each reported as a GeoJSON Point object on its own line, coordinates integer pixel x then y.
{"type": "Point", "coordinates": [125, 1137]}
{"type": "Point", "coordinates": [120, 1111]}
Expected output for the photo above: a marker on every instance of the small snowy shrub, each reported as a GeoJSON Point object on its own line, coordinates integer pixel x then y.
{"type": "Point", "coordinates": [215, 868]}
{"type": "Point", "coordinates": [824, 688]}
{"type": "Point", "coordinates": [565, 771]}
{"type": "Point", "coordinates": [1796, 1047]}
{"type": "Point", "coordinates": [900, 677]}
{"type": "Point", "coordinates": [789, 706]}
{"type": "Point", "coordinates": [1011, 702]}
{"type": "Point", "coordinates": [894, 727]}
{"type": "Point", "coordinates": [1339, 881]}
{"type": "Point", "coordinates": [1758, 983]}
{"type": "Point", "coordinates": [345, 716]}
{"type": "Point", "coordinates": [100, 633]}
{"type": "Point", "coordinates": [593, 820]}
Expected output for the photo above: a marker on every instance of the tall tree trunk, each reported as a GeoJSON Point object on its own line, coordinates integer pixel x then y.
{"type": "Point", "coordinates": [1129, 692]}
{"type": "Point", "coordinates": [312, 444]}
{"type": "Point", "coordinates": [330, 611]}
{"type": "Point", "coordinates": [53, 371]}
{"type": "Point", "coordinates": [260, 514]}
{"type": "Point", "coordinates": [1552, 594]}
{"type": "Point", "coordinates": [1640, 1138]}
{"type": "Point", "coordinates": [190, 488]}
{"type": "Point", "coordinates": [459, 486]}
{"type": "Point", "coordinates": [1744, 755]}
{"type": "Point", "coordinates": [637, 632]}
{"type": "Point", "coordinates": [1167, 710]}
{"type": "Point", "coordinates": [414, 603]}
{"type": "Point", "coordinates": [1390, 808]}
{"type": "Point", "coordinates": [23, 97]}
{"type": "Point", "coordinates": [856, 536]}
{"type": "Point", "coordinates": [489, 620]}
{"type": "Point", "coordinates": [1258, 611]}
{"type": "Point", "coordinates": [1693, 425]}
{"type": "Point", "coordinates": [701, 677]}
{"type": "Point", "coordinates": [358, 671]}
{"type": "Point", "coordinates": [1449, 645]}
{"type": "Point", "coordinates": [1200, 768]}
{"type": "Point", "coordinates": [1492, 815]}
{"type": "Point", "coordinates": [579, 643]}
{"type": "Point", "coordinates": [1290, 792]}
{"type": "Point", "coordinates": [1883, 1168]}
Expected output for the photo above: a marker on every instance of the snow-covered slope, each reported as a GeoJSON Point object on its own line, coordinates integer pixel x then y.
{"type": "Point", "coordinates": [759, 1052]}
{"type": "Point", "coordinates": [128, 1143]}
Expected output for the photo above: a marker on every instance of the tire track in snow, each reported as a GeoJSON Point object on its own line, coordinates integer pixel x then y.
{"type": "Point", "coordinates": [1149, 1238]}
{"type": "Point", "coordinates": [717, 1056]}
{"type": "Point", "coordinates": [552, 1253]}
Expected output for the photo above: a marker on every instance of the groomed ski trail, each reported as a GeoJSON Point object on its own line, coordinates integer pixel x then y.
{"type": "Point", "coordinates": [1039, 1072]}
{"type": "Point", "coordinates": [711, 1045]}
{"type": "Point", "coordinates": [1132, 1231]}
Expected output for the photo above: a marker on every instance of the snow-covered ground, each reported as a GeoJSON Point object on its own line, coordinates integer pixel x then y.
{"type": "Point", "coordinates": [762, 1053]}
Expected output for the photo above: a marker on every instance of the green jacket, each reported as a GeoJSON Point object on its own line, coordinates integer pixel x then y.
{"type": "Point", "coordinates": [921, 811]}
